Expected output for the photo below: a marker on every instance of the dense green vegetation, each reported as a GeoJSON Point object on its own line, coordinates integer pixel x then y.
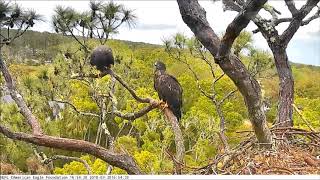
{"type": "Point", "coordinates": [44, 74]}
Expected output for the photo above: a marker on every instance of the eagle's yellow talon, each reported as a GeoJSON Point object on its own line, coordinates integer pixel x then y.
{"type": "Point", "coordinates": [163, 105]}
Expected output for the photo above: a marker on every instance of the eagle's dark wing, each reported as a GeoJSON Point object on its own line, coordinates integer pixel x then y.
{"type": "Point", "coordinates": [170, 91]}
{"type": "Point", "coordinates": [102, 58]}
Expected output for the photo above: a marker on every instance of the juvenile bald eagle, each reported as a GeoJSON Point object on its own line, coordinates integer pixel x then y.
{"type": "Point", "coordinates": [168, 88]}
{"type": "Point", "coordinates": [102, 58]}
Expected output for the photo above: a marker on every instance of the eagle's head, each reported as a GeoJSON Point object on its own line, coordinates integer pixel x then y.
{"type": "Point", "coordinates": [160, 66]}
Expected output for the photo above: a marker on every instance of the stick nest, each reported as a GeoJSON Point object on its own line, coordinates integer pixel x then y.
{"type": "Point", "coordinates": [295, 151]}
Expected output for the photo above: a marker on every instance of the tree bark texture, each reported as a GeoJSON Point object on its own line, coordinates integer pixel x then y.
{"type": "Point", "coordinates": [286, 88]}
{"type": "Point", "coordinates": [195, 17]}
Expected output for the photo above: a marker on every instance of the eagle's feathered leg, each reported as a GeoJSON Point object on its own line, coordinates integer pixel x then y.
{"type": "Point", "coordinates": [163, 105]}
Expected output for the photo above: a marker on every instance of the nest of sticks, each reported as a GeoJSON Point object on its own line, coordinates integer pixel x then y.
{"type": "Point", "coordinates": [294, 151]}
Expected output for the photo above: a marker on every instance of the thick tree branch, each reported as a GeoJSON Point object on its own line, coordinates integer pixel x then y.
{"type": "Point", "coordinates": [122, 161]}
{"type": "Point", "coordinates": [25, 111]}
{"type": "Point", "coordinates": [230, 5]}
{"type": "Point", "coordinates": [237, 25]}
{"type": "Point", "coordinates": [291, 6]}
{"type": "Point", "coordinates": [297, 21]}
{"type": "Point", "coordinates": [315, 16]}
{"type": "Point", "coordinates": [178, 138]}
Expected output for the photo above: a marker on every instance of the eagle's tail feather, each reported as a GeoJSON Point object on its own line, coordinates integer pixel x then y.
{"type": "Point", "coordinates": [176, 112]}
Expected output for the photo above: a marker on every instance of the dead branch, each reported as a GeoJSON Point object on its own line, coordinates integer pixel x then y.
{"type": "Point", "coordinates": [125, 85]}
{"type": "Point", "coordinates": [291, 6]}
{"type": "Point", "coordinates": [236, 26]}
{"type": "Point", "coordinates": [301, 116]}
{"type": "Point", "coordinates": [128, 116]}
{"type": "Point", "coordinates": [278, 169]}
{"type": "Point", "coordinates": [75, 109]}
{"type": "Point", "coordinates": [135, 115]}
{"type": "Point", "coordinates": [227, 96]}
{"type": "Point", "coordinates": [178, 138]}
{"type": "Point", "coordinates": [122, 161]}
{"type": "Point", "coordinates": [24, 109]}
{"type": "Point", "coordinates": [297, 21]}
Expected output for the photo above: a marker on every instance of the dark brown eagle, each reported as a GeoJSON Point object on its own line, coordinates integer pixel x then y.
{"type": "Point", "coordinates": [102, 58]}
{"type": "Point", "coordinates": [168, 88]}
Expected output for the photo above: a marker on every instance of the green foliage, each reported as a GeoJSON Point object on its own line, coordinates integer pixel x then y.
{"type": "Point", "coordinates": [243, 41]}
{"type": "Point", "coordinates": [127, 143]}
{"type": "Point", "coordinates": [97, 166]}
{"type": "Point", "coordinates": [310, 111]}
{"type": "Point", "coordinates": [148, 162]}
{"type": "Point", "coordinates": [107, 16]}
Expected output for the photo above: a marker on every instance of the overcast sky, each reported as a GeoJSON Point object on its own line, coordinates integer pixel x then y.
{"type": "Point", "coordinates": [160, 19]}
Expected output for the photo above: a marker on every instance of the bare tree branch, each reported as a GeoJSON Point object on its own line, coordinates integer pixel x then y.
{"type": "Point", "coordinates": [297, 21]}
{"type": "Point", "coordinates": [122, 161]}
{"type": "Point", "coordinates": [135, 115]}
{"type": "Point", "coordinates": [315, 16]}
{"type": "Point", "coordinates": [125, 85]}
{"type": "Point", "coordinates": [291, 6]}
{"type": "Point", "coordinates": [237, 25]}
{"type": "Point", "coordinates": [25, 111]}
{"type": "Point", "coordinates": [128, 116]}
{"type": "Point", "coordinates": [304, 119]}
{"type": "Point", "coordinates": [178, 138]}
{"type": "Point", "coordinates": [227, 96]}
{"type": "Point", "coordinates": [75, 109]}
{"type": "Point", "coordinates": [230, 5]}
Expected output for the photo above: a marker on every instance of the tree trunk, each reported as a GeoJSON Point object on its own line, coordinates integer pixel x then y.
{"type": "Point", "coordinates": [178, 139]}
{"type": "Point", "coordinates": [195, 17]}
{"type": "Point", "coordinates": [286, 88]}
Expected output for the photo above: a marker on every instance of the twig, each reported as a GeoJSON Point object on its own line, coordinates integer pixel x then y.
{"type": "Point", "coordinates": [69, 158]}
{"type": "Point", "coordinates": [279, 169]}
{"type": "Point", "coordinates": [135, 115]}
{"type": "Point", "coordinates": [75, 109]}
{"type": "Point", "coordinates": [301, 116]}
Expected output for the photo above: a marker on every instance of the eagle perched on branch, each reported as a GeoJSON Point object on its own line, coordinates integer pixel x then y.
{"type": "Point", "coordinates": [168, 88]}
{"type": "Point", "coordinates": [102, 58]}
